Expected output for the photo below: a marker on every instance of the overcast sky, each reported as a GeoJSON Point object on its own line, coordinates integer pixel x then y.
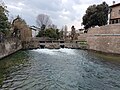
{"type": "Point", "coordinates": [62, 12]}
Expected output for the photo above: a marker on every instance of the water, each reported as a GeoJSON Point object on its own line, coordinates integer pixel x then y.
{"type": "Point", "coordinates": [59, 69]}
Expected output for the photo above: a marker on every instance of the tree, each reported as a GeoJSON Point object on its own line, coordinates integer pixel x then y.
{"type": "Point", "coordinates": [40, 33]}
{"type": "Point", "coordinates": [4, 24]}
{"type": "Point", "coordinates": [17, 25]}
{"type": "Point", "coordinates": [51, 33]}
{"type": "Point", "coordinates": [89, 19]}
{"type": "Point", "coordinates": [52, 26]}
{"type": "Point", "coordinates": [73, 32]}
{"type": "Point", "coordinates": [102, 10]}
{"type": "Point", "coordinates": [20, 28]}
{"type": "Point", "coordinates": [43, 20]}
{"type": "Point", "coordinates": [58, 34]}
{"type": "Point", "coordinates": [96, 15]}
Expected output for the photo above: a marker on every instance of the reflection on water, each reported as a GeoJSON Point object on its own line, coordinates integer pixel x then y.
{"type": "Point", "coordinates": [60, 69]}
{"type": "Point", "coordinates": [11, 63]}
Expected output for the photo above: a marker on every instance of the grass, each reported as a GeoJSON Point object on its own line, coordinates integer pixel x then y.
{"type": "Point", "coordinates": [82, 43]}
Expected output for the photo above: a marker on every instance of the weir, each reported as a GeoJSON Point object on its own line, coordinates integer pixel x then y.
{"type": "Point", "coordinates": [56, 44]}
{"type": "Point", "coordinates": [51, 44]}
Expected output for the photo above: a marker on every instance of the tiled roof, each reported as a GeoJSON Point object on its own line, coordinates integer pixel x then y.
{"type": "Point", "coordinates": [118, 4]}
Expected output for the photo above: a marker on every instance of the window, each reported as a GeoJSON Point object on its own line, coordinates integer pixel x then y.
{"type": "Point", "coordinates": [119, 11]}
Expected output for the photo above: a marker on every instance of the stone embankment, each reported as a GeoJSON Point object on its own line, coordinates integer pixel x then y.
{"type": "Point", "coordinates": [9, 46]}
{"type": "Point", "coordinates": [103, 39]}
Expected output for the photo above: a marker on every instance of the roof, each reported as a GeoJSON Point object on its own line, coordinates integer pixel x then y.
{"type": "Point", "coordinates": [118, 4]}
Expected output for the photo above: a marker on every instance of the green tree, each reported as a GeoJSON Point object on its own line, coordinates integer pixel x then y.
{"type": "Point", "coordinates": [40, 33]}
{"type": "Point", "coordinates": [51, 33]}
{"type": "Point", "coordinates": [102, 13]}
{"type": "Point", "coordinates": [96, 15]}
{"type": "Point", "coordinates": [4, 24]}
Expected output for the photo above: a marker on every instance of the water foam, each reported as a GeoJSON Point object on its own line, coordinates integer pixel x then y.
{"type": "Point", "coordinates": [45, 51]}
{"type": "Point", "coordinates": [67, 51]}
{"type": "Point", "coordinates": [56, 51]}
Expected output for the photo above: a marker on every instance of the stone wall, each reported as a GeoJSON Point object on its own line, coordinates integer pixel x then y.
{"type": "Point", "coordinates": [115, 13]}
{"type": "Point", "coordinates": [31, 43]}
{"type": "Point", "coordinates": [108, 29]}
{"type": "Point", "coordinates": [9, 46]}
{"type": "Point", "coordinates": [82, 37]}
{"type": "Point", "coordinates": [104, 38]}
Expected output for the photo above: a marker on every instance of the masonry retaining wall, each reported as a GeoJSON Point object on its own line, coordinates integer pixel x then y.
{"type": "Point", "coordinates": [9, 46]}
{"type": "Point", "coordinates": [104, 38]}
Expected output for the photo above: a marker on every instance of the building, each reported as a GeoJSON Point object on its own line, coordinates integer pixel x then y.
{"type": "Point", "coordinates": [115, 13]}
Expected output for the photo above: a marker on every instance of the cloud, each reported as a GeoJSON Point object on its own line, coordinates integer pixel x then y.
{"type": "Point", "coordinates": [62, 12]}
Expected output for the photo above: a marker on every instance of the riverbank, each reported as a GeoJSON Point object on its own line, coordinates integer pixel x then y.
{"type": "Point", "coordinates": [108, 56]}
{"type": "Point", "coordinates": [9, 46]}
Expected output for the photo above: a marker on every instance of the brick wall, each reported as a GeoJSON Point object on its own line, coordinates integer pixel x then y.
{"type": "Point", "coordinates": [104, 38]}
{"type": "Point", "coordinates": [115, 12]}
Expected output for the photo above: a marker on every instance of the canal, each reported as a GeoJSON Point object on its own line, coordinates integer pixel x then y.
{"type": "Point", "coordinates": [59, 69]}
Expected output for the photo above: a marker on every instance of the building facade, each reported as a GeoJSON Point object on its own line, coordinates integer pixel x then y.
{"type": "Point", "coordinates": [115, 13]}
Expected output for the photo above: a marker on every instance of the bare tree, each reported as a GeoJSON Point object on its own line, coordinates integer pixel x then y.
{"type": "Point", "coordinates": [52, 26]}
{"type": "Point", "coordinates": [43, 20]}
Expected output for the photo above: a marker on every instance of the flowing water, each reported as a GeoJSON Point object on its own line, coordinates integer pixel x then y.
{"type": "Point", "coordinates": [59, 69]}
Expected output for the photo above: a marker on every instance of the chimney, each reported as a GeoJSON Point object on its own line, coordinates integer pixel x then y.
{"type": "Point", "coordinates": [113, 2]}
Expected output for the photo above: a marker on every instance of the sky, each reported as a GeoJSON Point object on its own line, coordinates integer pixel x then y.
{"type": "Point", "coordinates": [61, 12]}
